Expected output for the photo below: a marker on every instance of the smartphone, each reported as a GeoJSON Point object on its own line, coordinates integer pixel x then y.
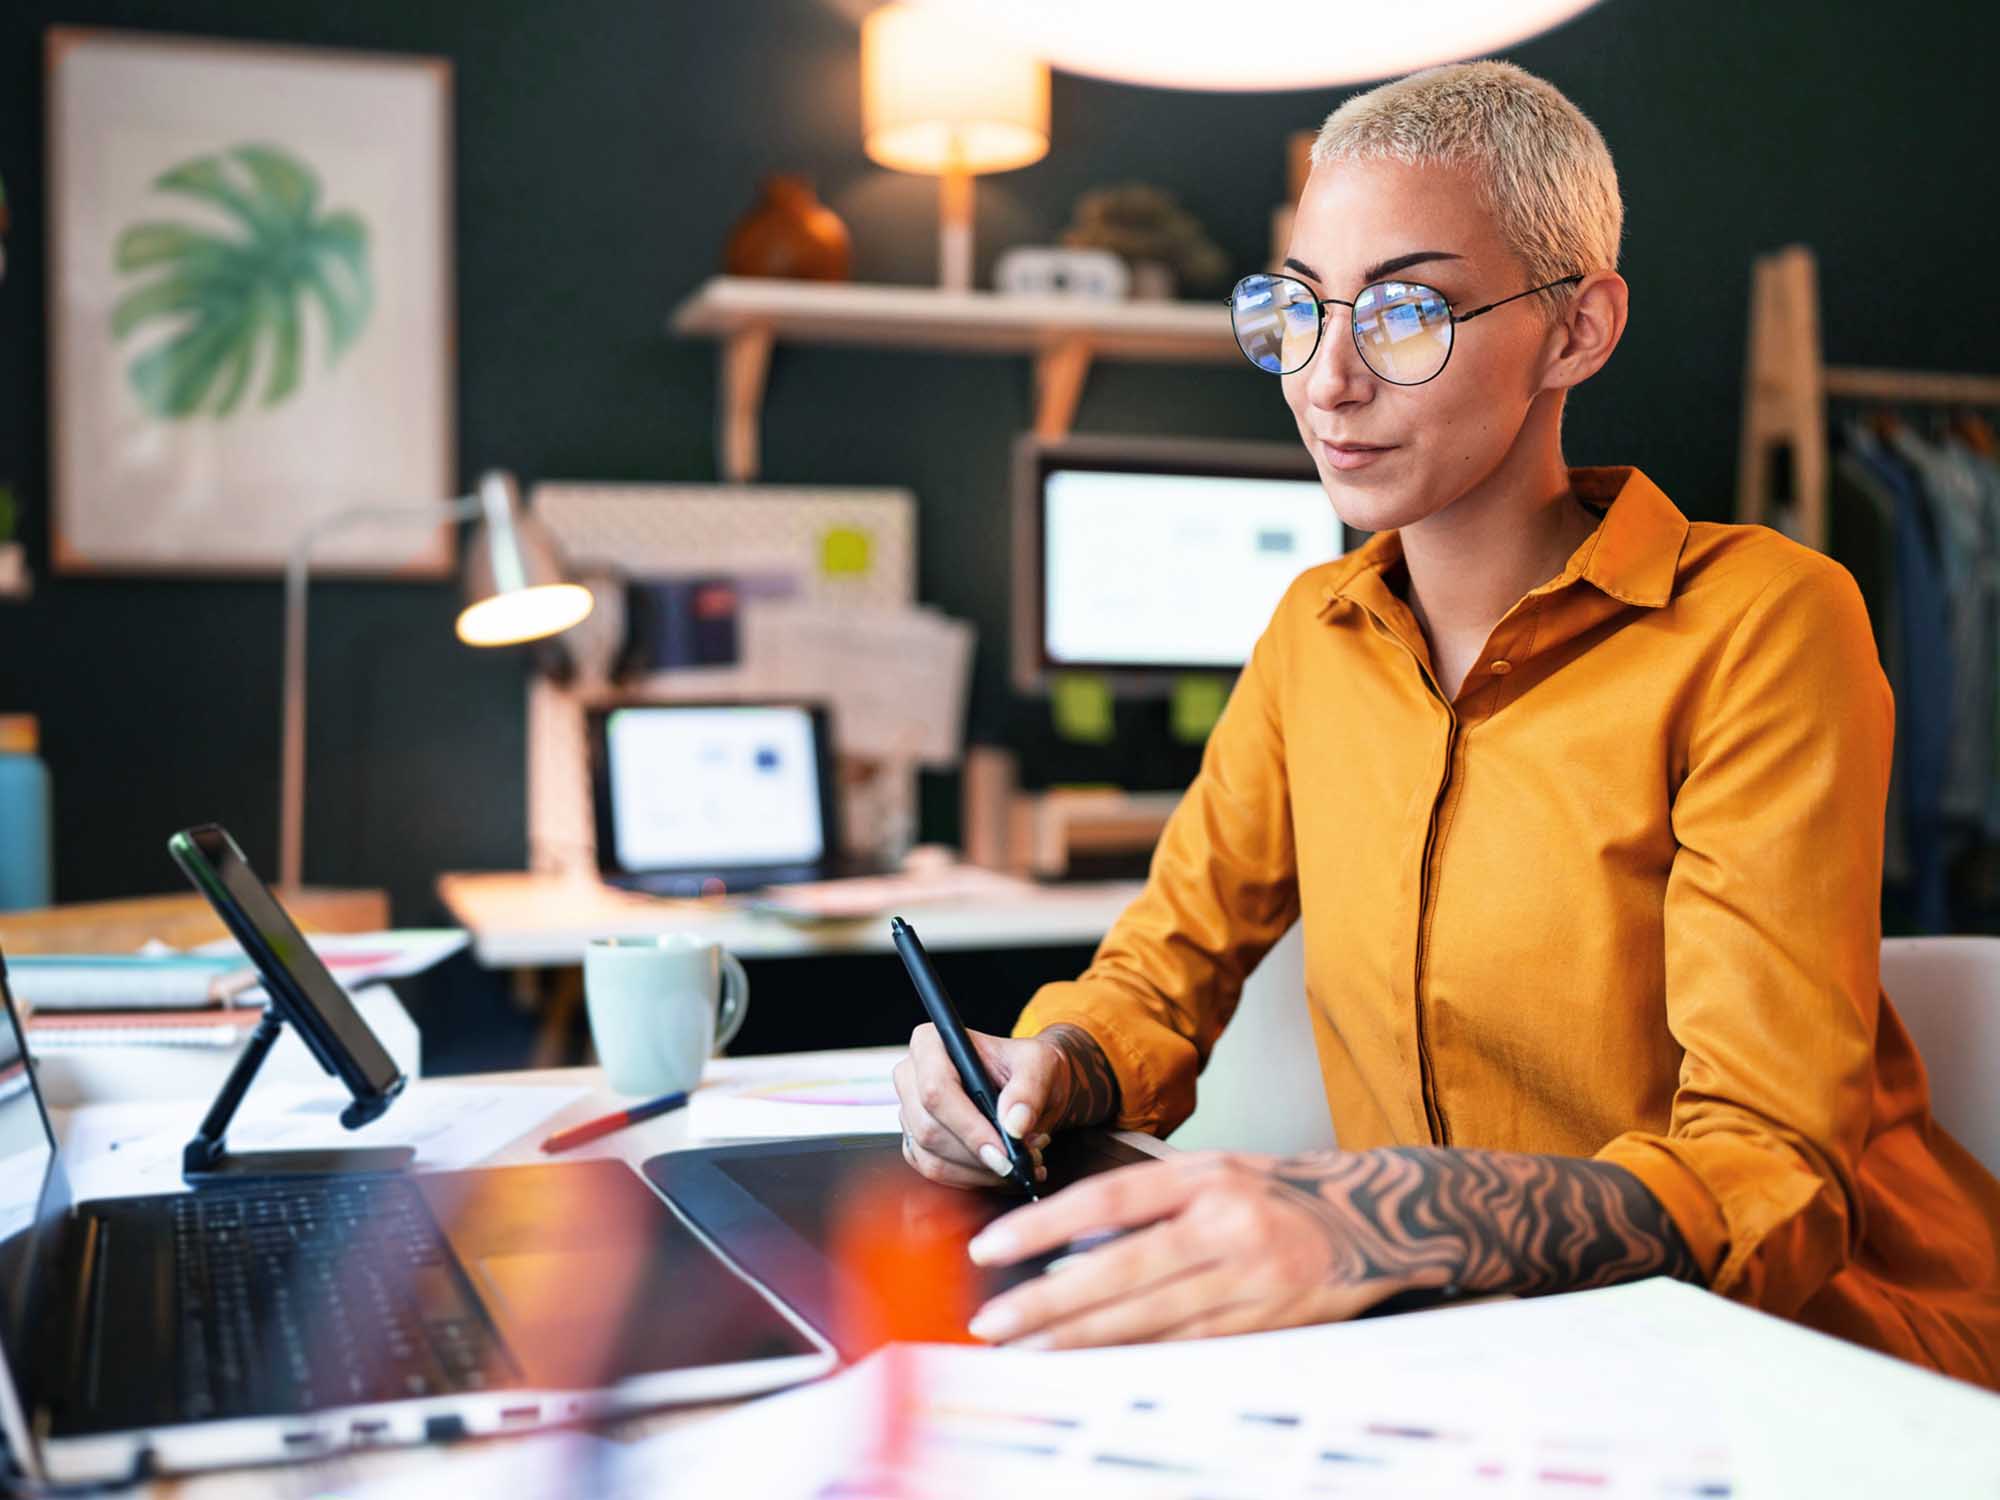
{"type": "Point", "coordinates": [301, 989]}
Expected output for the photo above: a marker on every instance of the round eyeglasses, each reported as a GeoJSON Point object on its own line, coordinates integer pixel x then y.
{"type": "Point", "coordinates": [1402, 329]}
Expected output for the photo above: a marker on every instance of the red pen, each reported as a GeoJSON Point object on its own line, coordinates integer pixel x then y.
{"type": "Point", "coordinates": [591, 1130]}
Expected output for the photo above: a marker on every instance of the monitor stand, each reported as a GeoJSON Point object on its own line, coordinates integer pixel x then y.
{"type": "Point", "coordinates": [207, 1158]}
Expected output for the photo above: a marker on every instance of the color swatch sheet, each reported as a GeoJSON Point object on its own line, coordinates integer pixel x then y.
{"type": "Point", "coordinates": [1655, 1390]}
{"type": "Point", "coordinates": [835, 1093]}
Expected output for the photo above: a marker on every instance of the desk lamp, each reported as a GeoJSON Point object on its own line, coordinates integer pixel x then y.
{"type": "Point", "coordinates": [944, 100]}
{"type": "Point", "coordinates": [515, 591]}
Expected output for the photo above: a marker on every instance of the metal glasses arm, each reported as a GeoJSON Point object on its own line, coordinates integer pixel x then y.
{"type": "Point", "coordinates": [1467, 317]}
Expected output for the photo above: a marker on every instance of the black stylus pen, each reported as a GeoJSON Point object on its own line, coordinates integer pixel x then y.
{"type": "Point", "coordinates": [958, 1047]}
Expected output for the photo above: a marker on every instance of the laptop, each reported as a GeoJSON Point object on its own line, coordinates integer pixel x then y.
{"type": "Point", "coordinates": [699, 798]}
{"type": "Point", "coordinates": [271, 1319]}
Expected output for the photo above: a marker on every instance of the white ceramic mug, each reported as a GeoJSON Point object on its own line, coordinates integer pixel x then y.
{"type": "Point", "coordinates": [660, 1007]}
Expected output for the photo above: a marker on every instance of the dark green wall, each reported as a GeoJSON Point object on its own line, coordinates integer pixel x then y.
{"type": "Point", "coordinates": [604, 149]}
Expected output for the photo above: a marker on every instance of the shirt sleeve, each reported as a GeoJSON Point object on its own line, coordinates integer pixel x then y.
{"type": "Point", "coordinates": [1221, 891]}
{"type": "Point", "coordinates": [1773, 945]}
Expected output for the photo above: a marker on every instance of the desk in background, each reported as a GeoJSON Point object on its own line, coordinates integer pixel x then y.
{"type": "Point", "coordinates": [991, 954]}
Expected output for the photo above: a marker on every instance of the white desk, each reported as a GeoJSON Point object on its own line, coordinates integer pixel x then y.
{"type": "Point", "coordinates": [520, 921]}
{"type": "Point", "coordinates": [1838, 1420]}
{"type": "Point", "coordinates": [633, 1146]}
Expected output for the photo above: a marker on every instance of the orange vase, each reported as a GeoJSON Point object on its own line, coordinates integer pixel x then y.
{"type": "Point", "coordinates": [789, 233]}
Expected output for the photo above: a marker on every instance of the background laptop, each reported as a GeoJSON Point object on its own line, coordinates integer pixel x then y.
{"type": "Point", "coordinates": [693, 798]}
{"type": "Point", "coordinates": [272, 1319]}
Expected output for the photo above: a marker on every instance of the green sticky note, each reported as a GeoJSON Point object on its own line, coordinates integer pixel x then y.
{"type": "Point", "coordinates": [1197, 704]}
{"type": "Point", "coordinates": [845, 551]}
{"type": "Point", "coordinates": [1080, 703]}
{"type": "Point", "coordinates": [8, 511]}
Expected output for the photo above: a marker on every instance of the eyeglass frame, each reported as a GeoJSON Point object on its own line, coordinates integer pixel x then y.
{"type": "Point", "coordinates": [1323, 303]}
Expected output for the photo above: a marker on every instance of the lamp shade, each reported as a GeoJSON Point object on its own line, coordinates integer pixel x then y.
{"type": "Point", "coordinates": [515, 587]}
{"type": "Point", "coordinates": [1283, 44]}
{"type": "Point", "coordinates": [939, 99]}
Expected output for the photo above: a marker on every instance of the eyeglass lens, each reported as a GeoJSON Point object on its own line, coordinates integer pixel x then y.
{"type": "Point", "coordinates": [1402, 329]}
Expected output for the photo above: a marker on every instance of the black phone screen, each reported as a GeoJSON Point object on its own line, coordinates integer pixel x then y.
{"type": "Point", "coordinates": [294, 976]}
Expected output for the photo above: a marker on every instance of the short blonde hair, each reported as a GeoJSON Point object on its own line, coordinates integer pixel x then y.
{"type": "Point", "coordinates": [1542, 168]}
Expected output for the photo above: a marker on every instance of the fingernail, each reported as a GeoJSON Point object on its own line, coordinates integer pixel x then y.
{"type": "Point", "coordinates": [993, 1323]}
{"type": "Point", "coordinates": [996, 1161]}
{"type": "Point", "coordinates": [1041, 1173]}
{"type": "Point", "coordinates": [1040, 1140]}
{"type": "Point", "coordinates": [1019, 1118]}
{"type": "Point", "coordinates": [993, 1245]}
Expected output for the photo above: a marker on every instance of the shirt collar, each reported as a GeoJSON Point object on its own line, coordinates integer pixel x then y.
{"type": "Point", "coordinates": [1633, 555]}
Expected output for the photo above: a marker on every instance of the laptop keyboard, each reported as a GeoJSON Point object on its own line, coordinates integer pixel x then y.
{"type": "Point", "coordinates": [294, 1296]}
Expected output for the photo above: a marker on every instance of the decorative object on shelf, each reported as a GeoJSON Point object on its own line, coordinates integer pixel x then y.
{"type": "Point", "coordinates": [1214, 44]}
{"type": "Point", "coordinates": [516, 587]}
{"type": "Point", "coordinates": [1163, 243]}
{"type": "Point", "coordinates": [789, 232]}
{"type": "Point", "coordinates": [944, 103]}
{"type": "Point", "coordinates": [251, 310]}
{"type": "Point", "coordinates": [1053, 271]}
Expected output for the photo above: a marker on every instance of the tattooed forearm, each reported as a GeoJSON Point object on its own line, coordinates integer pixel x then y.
{"type": "Point", "coordinates": [1485, 1221]}
{"type": "Point", "coordinates": [1093, 1087]}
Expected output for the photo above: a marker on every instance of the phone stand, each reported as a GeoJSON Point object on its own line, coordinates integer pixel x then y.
{"type": "Point", "coordinates": [208, 1159]}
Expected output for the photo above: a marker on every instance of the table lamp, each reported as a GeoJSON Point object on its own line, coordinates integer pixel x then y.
{"type": "Point", "coordinates": [943, 100]}
{"type": "Point", "coordinates": [515, 591]}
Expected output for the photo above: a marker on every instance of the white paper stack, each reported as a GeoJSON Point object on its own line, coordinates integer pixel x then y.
{"type": "Point", "coordinates": [838, 1093]}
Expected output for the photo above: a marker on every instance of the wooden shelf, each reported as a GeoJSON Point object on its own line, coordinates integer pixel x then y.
{"type": "Point", "coordinates": [748, 315]}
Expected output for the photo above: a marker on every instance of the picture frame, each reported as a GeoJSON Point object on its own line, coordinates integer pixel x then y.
{"type": "Point", "coordinates": [252, 322]}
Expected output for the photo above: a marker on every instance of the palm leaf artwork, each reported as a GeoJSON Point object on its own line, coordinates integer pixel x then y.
{"type": "Point", "coordinates": [225, 297]}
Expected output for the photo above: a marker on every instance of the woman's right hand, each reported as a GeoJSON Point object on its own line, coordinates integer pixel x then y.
{"type": "Point", "coordinates": [1055, 1080]}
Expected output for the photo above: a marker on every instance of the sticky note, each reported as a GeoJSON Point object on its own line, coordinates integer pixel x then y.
{"type": "Point", "coordinates": [1080, 703]}
{"type": "Point", "coordinates": [845, 551]}
{"type": "Point", "coordinates": [1197, 704]}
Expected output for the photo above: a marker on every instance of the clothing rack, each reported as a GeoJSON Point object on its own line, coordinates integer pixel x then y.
{"type": "Point", "coordinates": [1786, 385]}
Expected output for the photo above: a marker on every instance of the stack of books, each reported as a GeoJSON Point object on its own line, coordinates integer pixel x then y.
{"type": "Point", "coordinates": [173, 1000]}
{"type": "Point", "coordinates": [168, 1024]}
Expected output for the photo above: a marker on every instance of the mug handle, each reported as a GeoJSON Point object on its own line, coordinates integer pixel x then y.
{"type": "Point", "coordinates": [735, 1001]}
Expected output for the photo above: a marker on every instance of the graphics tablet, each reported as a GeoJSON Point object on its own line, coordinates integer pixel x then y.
{"type": "Point", "coordinates": [772, 1207]}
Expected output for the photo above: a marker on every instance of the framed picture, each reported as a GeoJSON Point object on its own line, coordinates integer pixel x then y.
{"type": "Point", "coordinates": [251, 304]}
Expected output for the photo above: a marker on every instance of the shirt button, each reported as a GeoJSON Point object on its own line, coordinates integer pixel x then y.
{"type": "Point", "coordinates": [1500, 668]}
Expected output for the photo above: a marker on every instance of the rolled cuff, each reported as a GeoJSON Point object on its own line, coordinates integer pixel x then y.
{"type": "Point", "coordinates": [1155, 1082]}
{"type": "Point", "coordinates": [1685, 1197]}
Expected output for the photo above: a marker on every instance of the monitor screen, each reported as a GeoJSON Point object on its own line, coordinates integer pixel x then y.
{"type": "Point", "coordinates": [1172, 570]}
{"type": "Point", "coordinates": [708, 786]}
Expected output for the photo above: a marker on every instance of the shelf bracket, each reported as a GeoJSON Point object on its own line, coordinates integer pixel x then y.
{"type": "Point", "coordinates": [1060, 371]}
{"type": "Point", "coordinates": [746, 362]}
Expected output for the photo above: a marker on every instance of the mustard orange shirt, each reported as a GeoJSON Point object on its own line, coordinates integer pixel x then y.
{"type": "Point", "coordinates": [1620, 897]}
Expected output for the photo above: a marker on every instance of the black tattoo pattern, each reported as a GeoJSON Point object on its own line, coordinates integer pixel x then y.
{"type": "Point", "coordinates": [1484, 1221]}
{"type": "Point", "coordinates": [1093, 1087]}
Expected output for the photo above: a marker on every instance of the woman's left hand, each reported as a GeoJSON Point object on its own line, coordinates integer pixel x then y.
{"type": "Point", "coordinates": [1218, 1243]}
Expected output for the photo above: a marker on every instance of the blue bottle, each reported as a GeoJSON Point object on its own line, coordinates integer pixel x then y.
{"type": "Point", "coordinates": [26, 876]}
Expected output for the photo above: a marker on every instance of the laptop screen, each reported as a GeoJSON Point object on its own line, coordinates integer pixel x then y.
{"type": "Point", "coordinates": [713, 785]}
{"type": "Point", "coordinates": [33, 1199]}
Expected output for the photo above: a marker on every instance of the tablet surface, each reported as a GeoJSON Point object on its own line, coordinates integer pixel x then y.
{"type": "Point", "coordinates": [772, 1207]}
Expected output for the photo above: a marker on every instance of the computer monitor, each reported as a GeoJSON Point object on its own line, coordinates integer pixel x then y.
{"type": "Point", "coordinates": [1147, 559]}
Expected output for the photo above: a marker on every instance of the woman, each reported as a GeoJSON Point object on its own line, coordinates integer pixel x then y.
{"type": "Point", "coordinates": [1580, 805]}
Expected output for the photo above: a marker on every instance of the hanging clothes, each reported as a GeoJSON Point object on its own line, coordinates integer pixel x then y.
{"type": "Point", "coordinates": [1924, 706]}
